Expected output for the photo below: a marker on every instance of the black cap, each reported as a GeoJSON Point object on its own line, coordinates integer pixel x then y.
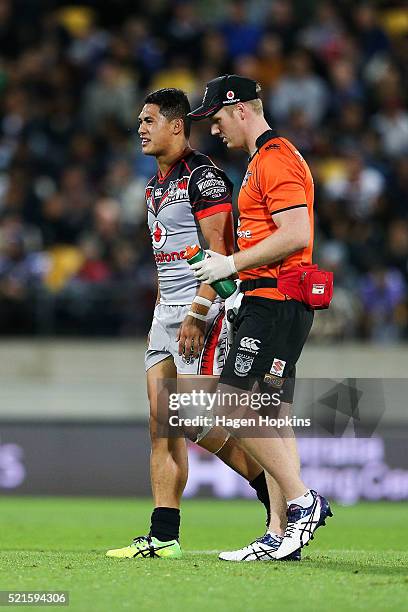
{"type": "Point", "coordinates": [224, 91]}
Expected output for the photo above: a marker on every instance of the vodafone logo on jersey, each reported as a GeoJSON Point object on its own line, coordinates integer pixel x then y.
{"type": "Point", "coordinates": [159, 234]}
{"type": "Point", "coordinates": [165, 258]}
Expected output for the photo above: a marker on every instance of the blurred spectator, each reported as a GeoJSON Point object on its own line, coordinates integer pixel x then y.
{"type": "Point", "coordinates": [300, 131]}
{"type": "Point", "coordinates": [396, 251]}
{"type": "Point", "coordinates": [351, 121]}
{"type": "Point", "coordinates": [345, 86]}
{"type": "Point", "coordinates": [359, 187]}
{"type": "Point", "coordinates": [397, 189]}
{"type": "Point", "coordinates": [93, 269]}
{"type": "Point", "coordinates": [214, 49]}
{"type": "Point", "coordinates": [340, 321]}
{"type": "Point", "coordinates": [324, 36]}
{"type": "Point", "coordinates": [281, 21]}
{"type": "Point", "coordinates": [147, 50]}
{"type": "Point", "coordinates": [88, 44]}
{"type": "Point", "coordinates": [241, 36]}
{"type": "Point", "coordinates": [372, 38]}
{"type": "Point", "coordinates": [382, 294]}
{"type": "Point", "coordinates": [127, 190]}
{"type": "Point", "coordinates": [106, 225]}
{"type": "Point", "coordinates": [184, 30]}
{"type": "Point", "coordinates": [299, 89]}
{"type": "Point", "coordinates": [9, 32]}
{"type": "Point", "coordinates": [177, 73]}
{"type": "Point", "coordinates": [21, 274]}
{"type": "Point", "coordinates": [270, 61]}
{"type": "Point", "coordinates": [111, 94]}
{"type": "Point", "coordinates": [392, 125]}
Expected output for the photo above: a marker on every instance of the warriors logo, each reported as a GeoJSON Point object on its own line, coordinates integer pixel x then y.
{"type": "Point", "coordinates": [243, 364]}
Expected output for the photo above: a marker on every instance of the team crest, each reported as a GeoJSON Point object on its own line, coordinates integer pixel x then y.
{"type": "Point", "coordinates": [243, 364]}
{"type": "Point", "coordinates": [188, 360]}
{"type": "Point", "coordinates": [177, 190]}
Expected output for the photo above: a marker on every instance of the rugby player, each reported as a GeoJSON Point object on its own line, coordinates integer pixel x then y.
{"type": "Point", "coordinates": [188, 199]}
{"type": "Point", "coordinates": [275, 235]}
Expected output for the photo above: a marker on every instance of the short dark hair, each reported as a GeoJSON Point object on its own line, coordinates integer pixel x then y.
{"type": "Point", "coordinates": [173, 104]}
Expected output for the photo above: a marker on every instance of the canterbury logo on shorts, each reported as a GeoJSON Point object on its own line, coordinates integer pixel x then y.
{"type": "Point", "coordinates": [251, 344]}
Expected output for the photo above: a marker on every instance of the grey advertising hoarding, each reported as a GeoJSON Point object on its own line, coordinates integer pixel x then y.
{"type": "Point", "coordinates": [112, 459]}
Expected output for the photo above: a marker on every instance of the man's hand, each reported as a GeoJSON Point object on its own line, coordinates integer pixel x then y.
{"type": "Point", "coordinates": [191, 337]}
{"type": "Point", "coordinates": [214, 267]}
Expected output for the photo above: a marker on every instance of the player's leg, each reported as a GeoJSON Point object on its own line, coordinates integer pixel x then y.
{"type": "Point", "coordinates": [168, 473]}
{"type": "Point", "coordinates": [227, 449]}
{"type": "Point", "coordinates": [168, 460]}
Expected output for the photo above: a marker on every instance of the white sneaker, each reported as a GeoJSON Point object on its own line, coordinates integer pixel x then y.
{"type": "Point", "coordinates": [302, 523]}
{"type": "Point", "coordinates": [262, 549]}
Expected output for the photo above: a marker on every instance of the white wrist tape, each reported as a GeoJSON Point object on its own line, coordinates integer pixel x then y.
{"type": "Point", "coordinates": [197, 316]}
{"type": "Point", "coordinates": [232, 264]}
{"type": "Point", "coordinates": [203, 301]}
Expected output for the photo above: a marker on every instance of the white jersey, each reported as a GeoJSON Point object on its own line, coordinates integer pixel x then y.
{"type": "Point", "coordinates": [192, 189]}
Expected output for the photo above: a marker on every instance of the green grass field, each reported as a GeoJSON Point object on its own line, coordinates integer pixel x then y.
{"type": "Point", "coordinates": [358, 562]}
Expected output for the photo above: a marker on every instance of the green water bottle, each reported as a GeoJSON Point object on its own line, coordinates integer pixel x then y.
{"type": "Point", "coordinates": [224, 287]}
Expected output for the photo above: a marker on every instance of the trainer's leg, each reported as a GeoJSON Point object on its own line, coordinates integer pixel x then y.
{"type": "Point", "coordinates": [271, 453]}
{"type": "Point", "coordinates": [227, 448]}
{"type": "Point", "coordinates": [277, 522]}
{"type": "Point", "coordinates": [168, 461]}
{"type": "Point", "coordinates": [288, 436]}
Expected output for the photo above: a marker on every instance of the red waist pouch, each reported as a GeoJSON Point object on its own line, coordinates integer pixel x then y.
{"type": "Point", "coordinates": [306, 283]}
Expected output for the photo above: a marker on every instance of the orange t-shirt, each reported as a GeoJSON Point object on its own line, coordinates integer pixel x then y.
{"type": "Point", "coordinates": [277, 179]}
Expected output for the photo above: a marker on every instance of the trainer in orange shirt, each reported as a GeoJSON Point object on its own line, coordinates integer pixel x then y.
{"type": "Point", "coordinates": [275, 234]}
{"type": "Point", "coordinates": [277, 180]}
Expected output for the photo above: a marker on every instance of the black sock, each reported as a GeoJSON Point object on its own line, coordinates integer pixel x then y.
{"type": "Point", "coordinates": [165, 524]}
{"type": "Point", "coordinates": [260, 486]}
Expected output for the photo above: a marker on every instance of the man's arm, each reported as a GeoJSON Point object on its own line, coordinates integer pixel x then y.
{"type": "Point", "coordinates": [218, 232]}
{"type": "Point", "coordinates": [293, 234]}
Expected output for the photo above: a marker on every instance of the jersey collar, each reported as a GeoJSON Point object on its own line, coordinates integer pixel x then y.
{"type": "Point", "coordinates": [162, 177]}
{"type": "Point", "coordinates": [263, 139]}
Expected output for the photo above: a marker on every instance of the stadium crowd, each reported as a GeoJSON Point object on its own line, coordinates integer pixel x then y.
{"type": "Point", "coordinates": [75, 254]}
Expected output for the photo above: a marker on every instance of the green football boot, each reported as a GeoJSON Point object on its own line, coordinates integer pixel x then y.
{"type": "Point", "coordinates": [147, 546]}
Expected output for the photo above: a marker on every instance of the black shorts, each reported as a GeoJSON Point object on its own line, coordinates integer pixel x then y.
{"type": "Point", "coordinates": [268, 339]}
